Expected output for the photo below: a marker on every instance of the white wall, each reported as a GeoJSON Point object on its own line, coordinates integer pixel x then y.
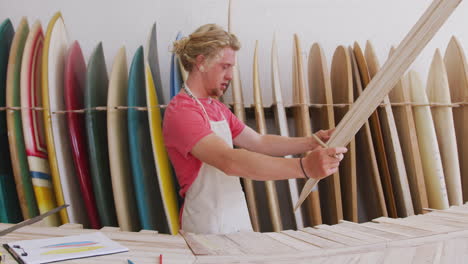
{"type": "Point", "coordinates": [329, 22]}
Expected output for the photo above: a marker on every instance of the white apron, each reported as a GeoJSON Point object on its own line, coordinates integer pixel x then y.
{"type": "Point", "coordinates": [215, 202]}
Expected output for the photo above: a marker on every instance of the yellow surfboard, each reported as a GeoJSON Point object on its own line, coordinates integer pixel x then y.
{"type": "Point", "coordinates": [165, 179]}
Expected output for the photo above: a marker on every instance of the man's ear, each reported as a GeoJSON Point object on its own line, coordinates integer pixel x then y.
{"type": "Point", "coordinates": [200, 61]}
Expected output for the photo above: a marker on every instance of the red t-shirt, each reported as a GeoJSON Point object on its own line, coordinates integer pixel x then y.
{"type": "Point", "coordinates": [184, 125]}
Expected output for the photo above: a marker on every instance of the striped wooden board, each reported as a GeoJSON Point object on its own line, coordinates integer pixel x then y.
{"type": "Point", "coordinates": [320, 93]}
{"type": "Point", "coordinates": [392, 143]}
{"type": "Point", "coordinates": [438, 92]}
{"type": "Point", "coordinates": [303, 127]}
{"type": "Point", "coordinates": [371, 197]}
{"type": "Point", "coordinates": [409, 143]}
{"type": "Point", "coordinates": [440, 236]}
{"type": "Point", "coordinates": [457, 73]}
{"type": "Point", "coordinates": [342, 85]}
{"type": "Point", "coordinates": [377, 137]}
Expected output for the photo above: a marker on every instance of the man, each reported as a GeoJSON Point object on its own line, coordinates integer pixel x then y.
{"type": "Point", "coordinates": [200, 132]}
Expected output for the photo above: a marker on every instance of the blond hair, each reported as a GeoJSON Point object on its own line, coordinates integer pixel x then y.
{"type": "Point", "coordinates": [208, 40]}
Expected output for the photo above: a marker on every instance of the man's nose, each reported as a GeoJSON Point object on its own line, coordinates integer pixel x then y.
{"type": "Point", "coordinates": [228, 75]}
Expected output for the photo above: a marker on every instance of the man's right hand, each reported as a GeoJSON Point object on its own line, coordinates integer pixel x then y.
{"type": "Point", "coordinates": [322, 162]}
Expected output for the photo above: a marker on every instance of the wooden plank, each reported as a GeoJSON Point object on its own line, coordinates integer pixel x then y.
{"type": "Point", "coordinates": [326, 234]}
{"type": "Point", "coordinates": [417, 224]}
{"type": "Point", "coordinates": [392, 143]}
{"type": "Point", "coordinates": [342, 85]}
{"type": "Point", "coordinates": [409, 143]}
{"type": "Point", "coordinates": [457, 73]}
{"type": "Point", "coordinates": [370, 189]}
{"type": "Point", "coordinates": [377, 137]}
{"type": "Point", "coordinates": [314, 240]}
{"type": "Point", "coordinates": [365, 238]}
{"type": "Point", "coordinates": [322, 117]}
{"type": "Point", "coordinates": [387, 236]}
{"type": "Point", "coordinates": [292, 242]}
{"type": "Point", "coordinates": [271, 194]}
{"type": "Point", "coordinates": [282, 124]}
{"type": "Point", "coordinates": [428, 147]}
{"type": "Point", "coordinates": [398, 229]}
{"type": "Point", "coordinates": [438, 92]}
{"type": "Point", "coordinates": [257, 243]}
{"type": "Point", "coordinates": [301, 113]}
{"type": "Point", "coordinates": [426, 27]}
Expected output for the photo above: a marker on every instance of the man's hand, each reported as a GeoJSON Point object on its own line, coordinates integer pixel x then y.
{"type": "Point", "coordinates": [324, 135]}
{"type": "Point", "coordinates": [322, 162]}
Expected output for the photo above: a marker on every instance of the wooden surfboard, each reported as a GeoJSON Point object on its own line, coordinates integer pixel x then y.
{"type": "Point", "coordinates": [371, 199]}
{"type": "Point", "coordinates": [239, 111]}
{"type": "Point", "coordinates": [97, 84]}
{"type": "Point", "coordinates": [117, 136]}
{"type": "Point", "coordinates": [342, 85]}
{"type": "Point", "coordinates": [149, 202]}
{"type": "Point", "coordinates": [10, 211]}
{"type": "Point", "coordinates": [457, 73]}
{"type": "Point", "coordinates": [58, 146]}
{"type": "Point", "coordinates": [409, 143]}
{"type": "Point", "coordinates": [320, 92]}
{"type": "Point", "coordinates": [428, 146]}
{"type": "Point", "coordinates": [392, 143]}
{"type": "Point", "coordinates": [75, 82]}
{"type": "Point", "coordinates": [175, 74]}
{"type": "Point", "coordinates": [165, 177]}
{"type": "Point", "coordinates": [33, 124]}
{"type": "Point", "coordinates": [18, 155]}
{"type": "Point", "coordinates": [377, 138]}
{"type": "Point", "coordinates": [272, 196]}
{"type": "Point", "coordinates": [282, 124]}
{"type": "Point", "coordinates": [438, 92]}
{"type": "Point", "coordinates": [301, 113]}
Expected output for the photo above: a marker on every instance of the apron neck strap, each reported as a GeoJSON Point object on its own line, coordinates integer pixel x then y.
{"type": "Point", "coordinates": [189, 92]}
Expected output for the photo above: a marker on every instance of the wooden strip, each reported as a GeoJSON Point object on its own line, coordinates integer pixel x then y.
{"type": "Point", "coordinates": [369, 180]}
{"type": "Point", "coordinates": [292, 242]}
{"type": "Point", "coordinates": [342, 85]}
{"type": "Point", "coordinates": [392, 143]}
{"type": "Point", "coordinates": [398, 229]}
{"type": "Point", "coordinates": [441, 220]}
{"type": "Point", "coordinates": [326, 234]}
{"type": "Point", "coordinates": [429, 149]}
{"type": "Point", "coordinates": [391, 72]}
{"type": "Point", "coordinates": [272, 196]}
{"type": "Point", "coordinates": [320, 92]}
{"type": "Point", "coordinates": [410, 224]}
{"type": "Point", "coordinates": [438, 92]}
{"type": "Point", "coordinates": [257, 243]}
{"type": "Point", "coordinates": [365, 238]}
{"type": "Point", "coordinates": [282, 124]}
{"type": "Point", "coordinates": [314, 240]}
{"type": "Point", "coordinates": [224, 246]}
{"type": "Point", "coordinates": [387, 236]}
{"type": "Point", "coordinates": [117, 229]}
{"type": "Point", "coordinates": [457, 73]}
{"type": "Point", "coordinates": [301, 113]}
{"type": "Point", "coordinates": [409, 143]}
